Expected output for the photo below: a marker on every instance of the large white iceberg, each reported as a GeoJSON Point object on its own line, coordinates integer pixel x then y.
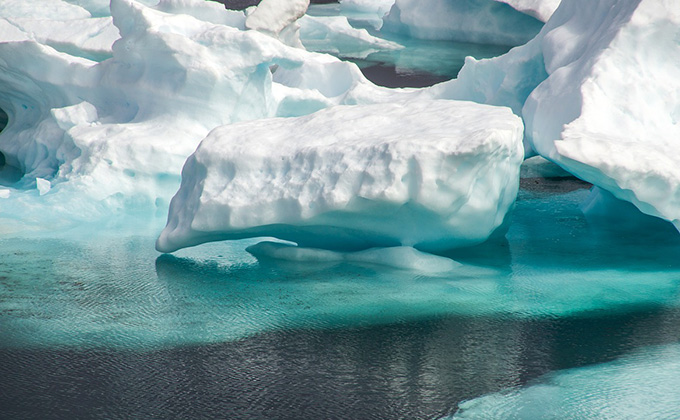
{"type": "Point", "coordinates": [432, 175]}
{"type": "Point", "coordinates": [109, 124]}
{"type": "Point", "coordinates": [609, 111]}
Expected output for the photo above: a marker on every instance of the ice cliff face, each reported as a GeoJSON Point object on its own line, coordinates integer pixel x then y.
{"type": "Point", "coordinates": [430, 174]}
{"type": "Point", "coordinates": [609, 110]}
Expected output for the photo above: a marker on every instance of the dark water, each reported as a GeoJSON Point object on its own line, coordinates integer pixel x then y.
{"type": "Point", "coordinates": [242, 4]}
{"type": "Point", "coordinates": [416, 370]}
{"type": "Point", "coordinates": [389, 76]}
{"type": "Point", "coordinates": [4, 119]}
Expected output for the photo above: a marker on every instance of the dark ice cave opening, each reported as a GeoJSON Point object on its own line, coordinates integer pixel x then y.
{"type": "Point", "coordinates": [4, 119]}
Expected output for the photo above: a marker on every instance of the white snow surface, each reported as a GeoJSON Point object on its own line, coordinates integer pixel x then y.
{"type": "Point", "coordinates": [433, 175]}
{"type": "Point", "coordinates": [106, 100]}
{"type": "Point", "coordinates": [540, 9]}
{"type": "Point", "coordinates": [609, 111]}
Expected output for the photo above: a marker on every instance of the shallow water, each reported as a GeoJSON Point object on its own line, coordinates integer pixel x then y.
{"type": "Point", "coordinates": [101, 325]}
{"type": "Point", "coordinates": [420, 63]}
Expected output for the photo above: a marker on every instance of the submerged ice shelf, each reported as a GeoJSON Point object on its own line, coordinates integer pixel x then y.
{"type": "Point", "coordinates": [116, 292]}
{"type": "Point", "coordinates": [639, 385]}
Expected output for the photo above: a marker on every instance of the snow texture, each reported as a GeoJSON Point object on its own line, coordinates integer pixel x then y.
{"type": "Point", "coordinates": [608, 112]}
{"type": "Point", "coordinates": [108, 108]}
{"type": "Point", "coordinates": [433, 175]}
{"type": "Point", "coordinates": [278, 18]}
{"type": "Point", "coordinates": [540, 9]}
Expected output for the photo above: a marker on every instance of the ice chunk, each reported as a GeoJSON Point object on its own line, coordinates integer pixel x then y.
{"type": "Point", "coordinates": [118, 131]}
{"type": "Point", "coordinates": [401, 257]}
{"type": "Point", "coordinates": [42, 9]}
{"type": "Point", "coordinates": [379, 7]}
{"type": "Point", "coordinates": [540, 9]}
{"type": "Point", "coordinates": [278, 18]}
{"type": "Point", "coordinates": [368, 12]}
{"type": "Point", "coordinates": [43, 185]}
{"type": "Point", "coordinates": [334, 35]}
{"type": "Point", "coordinates": [90, 38]}
{"type": "Point", "coordinates": [479, 21]}
{"type": "Point", "coordinates": [207, 11]}
{"type": "Point", "coordinates": [432, 175]}
{"type": "Point", "coordinates": [609, 112]}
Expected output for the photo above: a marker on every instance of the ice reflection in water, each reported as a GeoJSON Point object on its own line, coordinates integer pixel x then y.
{"type": "Point", "coordinates": [108, 328]}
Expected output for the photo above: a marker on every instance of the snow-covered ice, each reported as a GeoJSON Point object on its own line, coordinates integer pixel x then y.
{"type": "Point", "coordinates": [433, 175]}
{"type": "Point", "coordinates": [540, 9]}
{"type": "Point", "coordinates": [106, 100]}
{"type": "Point", "coordinates": [608, 112]}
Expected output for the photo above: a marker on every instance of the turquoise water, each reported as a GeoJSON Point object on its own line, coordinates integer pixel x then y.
{"type": "Point", "coordinates": [77, 289]}
{"type": "Point", "coordinates": [585, 302]}
{"type": "Point", "coordinates": [420, 63]}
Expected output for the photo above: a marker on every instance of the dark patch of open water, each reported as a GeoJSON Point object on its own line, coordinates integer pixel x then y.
{"type": "Point", "coordinates": [414, 370]}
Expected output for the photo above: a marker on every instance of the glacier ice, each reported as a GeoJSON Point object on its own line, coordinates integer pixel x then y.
{"type": "Point", "coordinates": [431, 174]}
{"type": "Point", "coordinates": [107, 100]}
{"type": "Point", "coordinates": [641, 384]}
{"type": "Point", "coordinates": [402, 257]}
{"type": "Point", "coordinates": [278, 18]}
{"type": "Point", "coordinates": [335, 35]}
{"type": "Point", "coordinates": [479, 21]}
{"type": "Point", "coordinates": [608, 112]}
{"type": "Point", "coordinates": [540, 9]}
{"type": "Point", "coordinates": [111, 133]}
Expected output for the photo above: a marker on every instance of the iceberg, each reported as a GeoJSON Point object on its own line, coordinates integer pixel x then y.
{"type": "Point", "coordinates": [278, 18]}
{"type": "Point", "coordinates": [608, 111]}
{"type": "Point", "coordinates": [540, 9]}
{"type": "Point", "coordinates": [478, 21]}
{"type": "Point", "coordinates": [108, 110]}
{"type": "Point", "coordinates": [334, 35]}
{"type": "Point", "coordinates": [428, 174]}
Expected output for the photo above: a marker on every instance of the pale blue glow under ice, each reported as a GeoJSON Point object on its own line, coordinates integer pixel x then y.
{"type": "Point", "coordinates": [69, 289]}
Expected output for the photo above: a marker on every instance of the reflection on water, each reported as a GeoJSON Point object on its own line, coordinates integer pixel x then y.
{"type": "Point", "coordinates": [415, 370]}
{"type": "Point", "coordinates": [116, 290]}
{"type": "Point", "coordinates": [102, 326]}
